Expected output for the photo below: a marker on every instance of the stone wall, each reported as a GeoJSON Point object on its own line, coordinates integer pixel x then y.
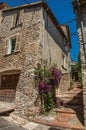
{"type": "Point", "coordinates": [83, 58]}
{"type": "Point", "coordinates": [82, 53]}
{"type": "Point", "coordinates": [54, 44]}
{"type": "Point", "coordinates": [26, 59]}
{"type": "Point", "coordinates": [64, 83]}
{"type": "Point", "coordinates": [27, 98]}
{"type": "Point", "coordinates": [29, 55]}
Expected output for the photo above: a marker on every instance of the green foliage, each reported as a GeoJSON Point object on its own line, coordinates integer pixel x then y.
{"type": "Point", "coordinates": [48, 102]}
{"type": "Point", "coordinates": [76, 69]}
{"type": "Point", "coordinates": [79, 69]}
{"type": "Point", "coordinates": [46, 79]}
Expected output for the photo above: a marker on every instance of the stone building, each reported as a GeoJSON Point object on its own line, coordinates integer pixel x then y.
{"type": "Point", "coordinates": [29, 34]}
{"type": "Point", "coordinates": [80, 11]}
{"type": "Point", "coordinates": [3, 5]}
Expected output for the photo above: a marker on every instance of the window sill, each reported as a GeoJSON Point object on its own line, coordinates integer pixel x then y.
{"type": "Point", "coordinates": [64, 68]}
{"type": "Point", "coordinates": [14, 53]}
{"type": "Point", "coordinates": [19, 25]}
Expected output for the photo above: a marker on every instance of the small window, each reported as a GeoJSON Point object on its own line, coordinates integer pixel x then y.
{"type": "Point", "coordinates": [12, 45]}
{"type": "Point", "coordinates": [63, 60]}
{"type": "Point", "coordinates": [85, 48]}
{"type": "Point", "coordinates": [17, 22]}
{"type": "Point", "coordinates": [85, 36]}
{"type": "Point", "coordinates": [64, 41]}
{"type": "Point", "coordinates": [17, 19]}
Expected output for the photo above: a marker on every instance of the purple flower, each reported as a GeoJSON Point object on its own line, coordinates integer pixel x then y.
{"type": "Point", "coordinates": [56, 76]}
{"type": "Point", "coordinates": [55, 73]}
{"type": "Point", "coordinates": [44, 87]}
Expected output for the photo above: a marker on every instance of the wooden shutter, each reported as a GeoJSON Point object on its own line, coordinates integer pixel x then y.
{"type": "Point", "coordinates": [5, 51]}
{"type": "Point", "coordinates": [11, 25]}
{"type": "Point", "coordinates": [85, 34]}
{"type": "Point", "coordinates": [14, 20]}
{"type": "Point", "coordinates": [21, 16]}
{"type": "Point", "coordinates": [17, 47]}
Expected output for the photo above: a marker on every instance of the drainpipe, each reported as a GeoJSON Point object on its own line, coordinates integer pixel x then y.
{"type": "Point", "coordinates": [83, 40]}
{"type": "Point", "coordinates": [67, 49]}
{"type": "Point", "coordinates": [42, 39]}
{"type": "Point", "coordinates": [82, 28]}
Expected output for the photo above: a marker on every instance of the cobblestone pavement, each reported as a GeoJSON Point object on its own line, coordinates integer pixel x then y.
{"type": "Point", "coordinates": [59, 121]}
{"type": "Point", "coordinates": [7, 125]}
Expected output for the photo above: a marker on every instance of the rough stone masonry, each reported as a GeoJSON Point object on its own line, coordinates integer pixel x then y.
{"type": "Point", "coordinates": [26, 24]}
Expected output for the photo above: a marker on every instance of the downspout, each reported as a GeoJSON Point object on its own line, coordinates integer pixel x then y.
{"type": "Point", "coordinates": [83, 37]}
{"type": "Point", "coordinates": [42, 38]}
{"type": "Point", "coordinates": [82, 27]}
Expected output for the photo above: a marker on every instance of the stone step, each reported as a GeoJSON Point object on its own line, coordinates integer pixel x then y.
{"type": "Point", "coordinates": [71, 101]}
{"type": "Point", "coordinates": [78, 109]}
{"type": "Point", "coordinates": [73, 97]}
{"type": "Point", "coordinates": [6, 107]}
{"type": "Point", "coordinates": [75, 102]}
{"type": "Point", "coordinates": [72, 92]}
{"type": "Point", "coordinates": [70, 116]}
{"type": "Point", "coordinates": [69, 96]}
{"type": "Point", "coordinates": [65, 110]}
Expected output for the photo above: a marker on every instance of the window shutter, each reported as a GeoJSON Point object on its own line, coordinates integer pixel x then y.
{"type": "Point", "coordinates": [6, 47]}
{"type": "Point", "coordinates": [17, 48]}
{"type": "Point", "coordinates": [21, 16]}
{"type": "Point", "coordinates": [14, 20]}
{"type": "Point", "coordinates": [85, 36]}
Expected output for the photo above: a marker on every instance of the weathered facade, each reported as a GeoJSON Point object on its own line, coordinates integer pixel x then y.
{"type": "Point", "coordinates": [29, 34]}
{"type": "Point", "coordinates": [80, 11]}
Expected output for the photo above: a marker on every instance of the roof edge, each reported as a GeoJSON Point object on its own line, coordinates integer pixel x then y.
{"type": "Point", "coordinates": [45, 5]}
{"type": "Point", "coordinates": [23, 6]}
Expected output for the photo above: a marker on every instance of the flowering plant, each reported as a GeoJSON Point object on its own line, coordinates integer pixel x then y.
{"type": "Point", "coordinates": [46, 79]}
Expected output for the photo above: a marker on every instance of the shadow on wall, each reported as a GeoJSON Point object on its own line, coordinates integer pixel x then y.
{"type": "Point", "coordinates": [77, 105]}
{"type": "Point", "coordinates": [75, 102]}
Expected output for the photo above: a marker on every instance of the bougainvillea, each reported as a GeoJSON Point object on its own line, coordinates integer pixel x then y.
{"type": "Point", "coordinates": [44, 87]}
{"type": "Point", "coordinates": [56, 76]}
{"type": "Point", "coordinates": [46, 80]}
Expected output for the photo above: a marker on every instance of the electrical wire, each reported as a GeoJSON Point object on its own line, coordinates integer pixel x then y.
{"type": "Point", "coordinates": [70, 21]}
{"type": "Point", "coordinates": [74, 33]}
{"type": "Point", "coordinates": [27, 2]}
{"type": "Point", "coordinates": [65, 23]}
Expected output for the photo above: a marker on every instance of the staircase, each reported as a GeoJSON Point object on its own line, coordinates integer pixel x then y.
{"type": "Point", "coordinates": [69, 114]}
{"type": "Point", "coordinates": [72, 106]}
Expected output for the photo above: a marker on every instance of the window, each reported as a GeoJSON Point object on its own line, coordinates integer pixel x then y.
{"type": "Point", "coordinates": [17, 19]}
{"type": "Point", "coordinates": [64, 41]}
{"type": "Point", "coordinates": [85, 48]}
{"type": "Point", "coordinates": [63, 61]}
{"type": "Point", "coordinates": [84, 34]}
{"type": "Point", "coordinates": [12, 45]}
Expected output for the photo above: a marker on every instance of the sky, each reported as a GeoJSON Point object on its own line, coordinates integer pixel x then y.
{"type": "Point", "coordinates": [63, 11]}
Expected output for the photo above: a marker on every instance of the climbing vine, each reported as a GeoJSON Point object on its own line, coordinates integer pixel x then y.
{"type": "Point", "coordinates": [46, 79]}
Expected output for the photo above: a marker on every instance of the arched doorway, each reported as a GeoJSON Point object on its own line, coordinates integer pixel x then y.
{"type": "Point", "coordinates": [8, 83]}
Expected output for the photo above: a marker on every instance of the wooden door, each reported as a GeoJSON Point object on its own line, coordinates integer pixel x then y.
{"type": "Point", "coordinates": [9, 81]}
